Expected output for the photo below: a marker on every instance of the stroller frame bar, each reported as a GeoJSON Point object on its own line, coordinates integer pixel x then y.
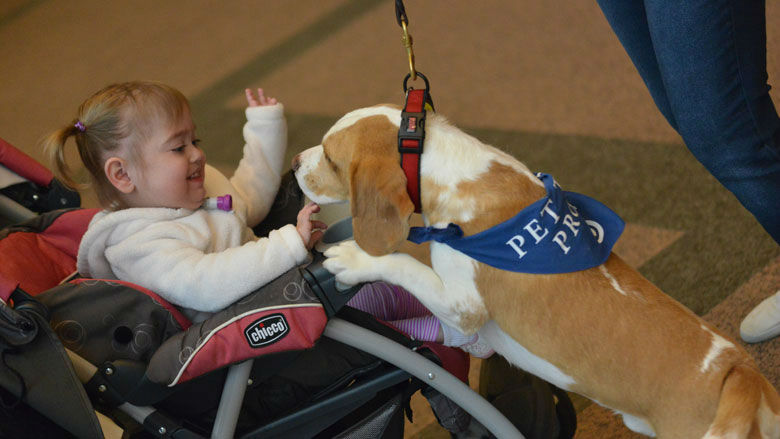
{"type": "Point", "coordinates": [230, 402]}
{"type": "Point", "coordinates": [425, 370]}
{"type": "Point", "coordinates": [13, 212]}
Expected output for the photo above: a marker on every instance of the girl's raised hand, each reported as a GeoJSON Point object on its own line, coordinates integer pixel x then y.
{"type": "Point", "coordinates": [310, 230]}
{"type": "Point", "coordinates": [259, 100]}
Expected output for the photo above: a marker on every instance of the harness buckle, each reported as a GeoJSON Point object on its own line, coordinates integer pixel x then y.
{"type": "Point", "coordinates": [412, 128]}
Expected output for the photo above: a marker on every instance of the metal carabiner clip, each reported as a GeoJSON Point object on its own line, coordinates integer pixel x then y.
{"type": "Point", "coordinates": [406, 39]}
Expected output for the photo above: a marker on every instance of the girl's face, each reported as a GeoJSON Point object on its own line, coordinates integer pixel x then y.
{"type": "Point", "coordinates": [172, 169]}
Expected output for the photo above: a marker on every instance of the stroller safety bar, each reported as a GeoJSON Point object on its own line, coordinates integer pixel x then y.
{"type": "Point", "coordinates": [28, 188]}
{"type": "Point", "coordinates": [23, 165]}
{"type": "Point", "coordinates": [424, 370]}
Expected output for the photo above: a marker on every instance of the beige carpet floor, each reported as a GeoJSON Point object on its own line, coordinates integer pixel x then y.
{"type": "Point", "coordinates": [546, 81]}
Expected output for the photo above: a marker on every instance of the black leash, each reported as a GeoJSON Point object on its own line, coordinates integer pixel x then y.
{"type": "Point", "coordinates": [400, 13]}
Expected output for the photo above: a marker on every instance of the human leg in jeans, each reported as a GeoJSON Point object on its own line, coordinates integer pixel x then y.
{"type": "Point", "coordinates": [704, 63]}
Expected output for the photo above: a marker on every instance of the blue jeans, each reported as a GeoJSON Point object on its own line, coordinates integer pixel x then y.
{"type": "Point", "coordinates": [704, 63]}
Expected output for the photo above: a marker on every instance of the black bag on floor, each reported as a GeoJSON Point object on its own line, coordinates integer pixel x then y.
{"type": "Point", "coordinates": [538, 409]}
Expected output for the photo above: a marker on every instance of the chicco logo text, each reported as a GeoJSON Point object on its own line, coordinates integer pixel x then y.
{"type": "Point", "coordinates": [266, 330]}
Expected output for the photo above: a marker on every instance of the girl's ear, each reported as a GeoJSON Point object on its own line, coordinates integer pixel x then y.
{"type": "Point", "coordinates": [116, 172]}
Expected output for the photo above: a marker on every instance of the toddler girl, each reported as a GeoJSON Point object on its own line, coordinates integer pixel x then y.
{"type": "Point", "coordinates": [138, 142]}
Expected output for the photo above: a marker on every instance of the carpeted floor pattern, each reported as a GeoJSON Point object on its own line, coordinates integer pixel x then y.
{"type": "Point", "coordinates": [548, 84]}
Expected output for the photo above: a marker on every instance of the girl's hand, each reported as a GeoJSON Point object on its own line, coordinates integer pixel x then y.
{"type": "Point", "coordinates": [311, 231]}
{"type": "Point", "coordinates": [260, 100]}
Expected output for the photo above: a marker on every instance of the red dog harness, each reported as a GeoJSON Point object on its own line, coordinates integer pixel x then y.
{"type": "Point", "coordinates": [411, 136]}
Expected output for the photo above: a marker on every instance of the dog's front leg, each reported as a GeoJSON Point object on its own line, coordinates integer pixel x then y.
{"type": "Point", "coordinates": [457, 305]}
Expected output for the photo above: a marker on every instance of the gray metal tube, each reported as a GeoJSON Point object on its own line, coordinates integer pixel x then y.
{"type": "Point", "coordinates": [14, 212]}
{"type": "Point", "coordinates": [139, 413]}
{"type": "Point", "coordinates": [231, 400]}
{"type": "Point", "coordinates": [426, 371]}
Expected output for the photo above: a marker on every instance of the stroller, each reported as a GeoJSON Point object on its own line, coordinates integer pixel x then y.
{"type": "Point", "coordinates": [95, 358]}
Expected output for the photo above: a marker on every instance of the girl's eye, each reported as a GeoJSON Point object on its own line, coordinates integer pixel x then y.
{"type": "Point", "coordinates": [194, 142]}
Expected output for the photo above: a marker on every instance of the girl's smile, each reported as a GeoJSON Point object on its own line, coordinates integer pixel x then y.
{"type": "Point", "coordinates": [173, 168]}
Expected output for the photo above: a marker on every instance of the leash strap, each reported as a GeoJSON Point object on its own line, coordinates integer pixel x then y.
{"type": "Point", "coordinates": [400, 13]}
{"type": "Point", "coordinates": [411, 135]}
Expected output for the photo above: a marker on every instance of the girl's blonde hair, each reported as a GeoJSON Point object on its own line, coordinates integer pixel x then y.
{"type": "Point", "coordinates": [118, 116]}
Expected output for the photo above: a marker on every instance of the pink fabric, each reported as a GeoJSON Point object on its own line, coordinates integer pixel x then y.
{"type": "Point", "coordinates": [399, 308]}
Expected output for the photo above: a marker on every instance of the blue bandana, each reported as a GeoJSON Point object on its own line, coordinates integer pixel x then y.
{"type": "Point", "coordinates": [560, 233]}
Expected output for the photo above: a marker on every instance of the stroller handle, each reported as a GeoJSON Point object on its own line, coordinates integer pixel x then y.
{"type": "Point", "coordinates": [24, 165]}
{"type": "Point", "coordinates": [331, 293]}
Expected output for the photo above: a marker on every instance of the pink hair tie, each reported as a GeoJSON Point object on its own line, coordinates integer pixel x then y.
{"type": "Point", "coordinates": [80, 126]}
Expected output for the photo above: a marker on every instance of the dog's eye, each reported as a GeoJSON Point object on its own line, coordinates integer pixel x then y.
{"type": "Point", "coordinates": [331, 162]}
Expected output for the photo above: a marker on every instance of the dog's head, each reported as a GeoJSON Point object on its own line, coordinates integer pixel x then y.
{"type": "Point", "coordinates": [358, 161]}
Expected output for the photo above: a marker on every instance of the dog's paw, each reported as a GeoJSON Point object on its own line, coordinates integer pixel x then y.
{"type": "Point", "coordinates": [350, 263]}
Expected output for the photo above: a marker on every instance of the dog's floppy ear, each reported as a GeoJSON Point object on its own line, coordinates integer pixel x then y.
{"type": "Point", "coordinates": [381, 207]}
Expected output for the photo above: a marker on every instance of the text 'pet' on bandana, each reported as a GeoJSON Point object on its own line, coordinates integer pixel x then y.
{"type": "Point", "coordinates": [560, 233]}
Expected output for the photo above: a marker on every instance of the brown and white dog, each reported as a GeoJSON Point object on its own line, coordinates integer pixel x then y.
{"type": "Point", "coordinates": [606, 333]}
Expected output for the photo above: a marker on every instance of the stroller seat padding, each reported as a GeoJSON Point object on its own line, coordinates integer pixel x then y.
{"type": "Point", "coordinates": [42, 251]}
{"type": "Point", "coordinates": [109, 320]}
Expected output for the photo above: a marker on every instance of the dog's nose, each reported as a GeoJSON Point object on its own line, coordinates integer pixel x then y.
{"type": "Point", "coordinates": [296, 162]}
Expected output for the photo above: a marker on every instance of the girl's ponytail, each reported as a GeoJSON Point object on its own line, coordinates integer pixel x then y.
{"type": "Point", "coordinates": [113, 120]}
{"type": "Point", "coordinates": [96, 131]}
{"type": "Point", "coordinates": [54, 149]}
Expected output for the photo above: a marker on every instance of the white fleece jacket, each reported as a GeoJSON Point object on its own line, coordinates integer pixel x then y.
{"type": "Point", "coordinates": [203, 260]}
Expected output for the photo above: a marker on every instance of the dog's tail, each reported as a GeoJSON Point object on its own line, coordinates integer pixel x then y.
{"type": "Point", "coordinates": [749, 407]}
